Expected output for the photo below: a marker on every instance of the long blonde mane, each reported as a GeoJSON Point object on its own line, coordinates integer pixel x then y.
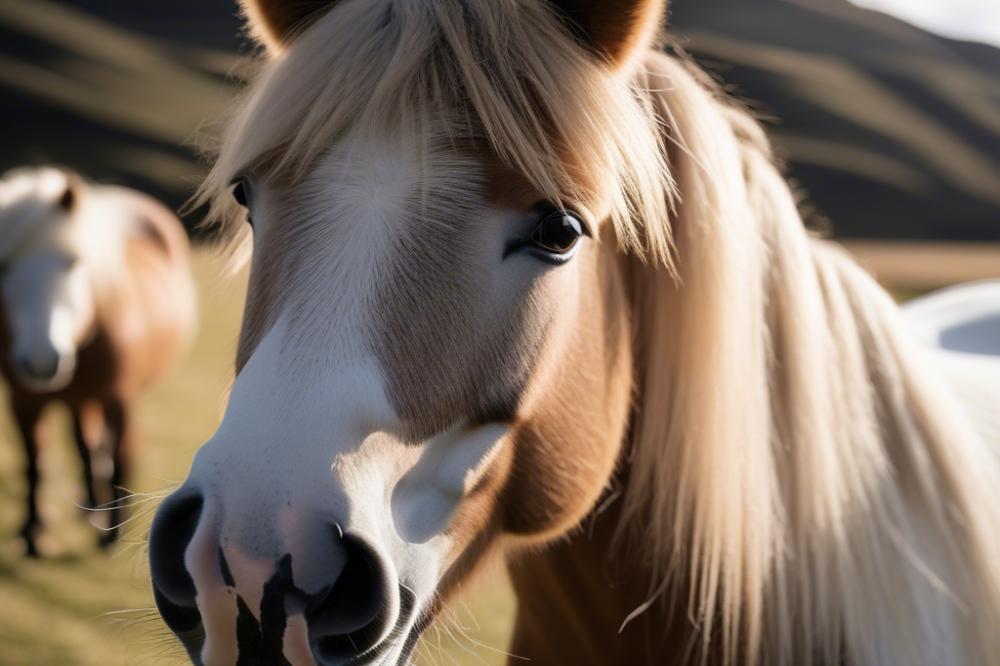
{"type": "Point", "coordinates": [822, 499]}
{"type": "Point", "coordinates": [793, 470]}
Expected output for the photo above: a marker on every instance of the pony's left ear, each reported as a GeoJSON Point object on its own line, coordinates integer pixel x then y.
{"type": "Point", "coordinates": [275, 23]}
{"type": "Point", "coordinates": [618, 30]}
{"type": "Point", "coordinates": [68, 199]}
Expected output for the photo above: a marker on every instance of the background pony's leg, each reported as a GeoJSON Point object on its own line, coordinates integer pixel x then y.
{"type": "Point", "coordinates": [28, 414]}
{"type": "Point", "coordinates": [119, 433]}
{"type": "Point", "coordinates": [87, 446]}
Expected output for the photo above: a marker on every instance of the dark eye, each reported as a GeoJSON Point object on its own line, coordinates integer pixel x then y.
{"type": "Point", "coordinates": [241, 192]}
{"type": "Point", "coordinates": [558, 232]}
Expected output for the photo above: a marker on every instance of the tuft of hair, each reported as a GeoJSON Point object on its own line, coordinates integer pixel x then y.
{"type": "Point", "coordinates": [506, 75]}
{"type": "Point", "coordinates": [796, 471]}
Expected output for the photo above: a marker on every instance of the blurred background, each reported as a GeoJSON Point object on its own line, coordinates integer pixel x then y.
{"type": "Point", "coordinates": [886, 113]}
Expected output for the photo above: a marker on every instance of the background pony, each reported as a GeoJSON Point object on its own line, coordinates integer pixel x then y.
{"type": "Point", "coordinates": [97, 299]}
{"type": "Point", "coordinates": [522, 285]}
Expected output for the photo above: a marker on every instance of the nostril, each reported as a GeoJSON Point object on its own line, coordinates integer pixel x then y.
{"type": "Point", "coordinates": [41, 367]}
{"type": "Point", "coordinates": [173, 587]}
{"type": "Point", "coordinates": [351, 618]}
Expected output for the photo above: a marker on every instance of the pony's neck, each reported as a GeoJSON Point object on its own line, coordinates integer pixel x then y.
{"type": "Point", "coordinates": [577, 601]}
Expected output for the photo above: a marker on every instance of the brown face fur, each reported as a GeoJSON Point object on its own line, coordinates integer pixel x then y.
{"type": "Point", "coordinates": [555, 364]}
{"type": "Point", "coordinates": [568, 409]}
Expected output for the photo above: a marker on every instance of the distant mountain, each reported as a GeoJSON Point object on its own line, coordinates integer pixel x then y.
{"type": "Point", "coordinates": [892, 131]}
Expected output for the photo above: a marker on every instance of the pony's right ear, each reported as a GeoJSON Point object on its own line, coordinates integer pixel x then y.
{"type": "Point", "coordinates": [617, 30]}
{"type": "Point", "coordinates": [275, 23]}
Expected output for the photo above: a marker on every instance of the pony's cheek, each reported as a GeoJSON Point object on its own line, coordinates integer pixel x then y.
{"type": "Point", "coordinates": [572, 432]}
{"type": "Point", "coordinates": [568, 472]}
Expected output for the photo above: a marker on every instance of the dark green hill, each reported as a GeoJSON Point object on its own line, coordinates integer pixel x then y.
{"type": "Point", "coordinates": [892, 131]}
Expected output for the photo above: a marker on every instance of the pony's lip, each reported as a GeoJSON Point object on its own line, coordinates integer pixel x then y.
{"type": "Point", "coordinates": [381, 653]}
{"type": "Point", "coordinates": [405, 632]}
{"type": "Point", "coordinates": [406, 637]}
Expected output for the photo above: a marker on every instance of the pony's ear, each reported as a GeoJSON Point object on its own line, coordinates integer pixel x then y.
{"type": "Point", "coordinates": [618, 30]}
{"type": "Point", "coordinates": [275, 23]}
{"type": "Point", "coordinates": [67, 200]}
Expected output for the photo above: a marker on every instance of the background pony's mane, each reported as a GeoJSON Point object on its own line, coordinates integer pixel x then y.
{"type": "Point", "coordinates": [792, 471]}
{"type": "Point", "coordinates": [31, 196]}
{"type": "Point", "coordinates": [98, 224]}
{"type": "Point", "coordinates": [504, 75]}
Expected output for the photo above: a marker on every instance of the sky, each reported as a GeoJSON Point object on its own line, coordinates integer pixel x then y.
{"type": "Point", "coordinates": [976, 20]}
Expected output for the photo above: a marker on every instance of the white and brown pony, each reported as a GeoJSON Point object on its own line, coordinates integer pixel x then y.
{"type": "Point", "coordinates": [97, 298]}
{"type": "Point", "coordinates": [524, 286]}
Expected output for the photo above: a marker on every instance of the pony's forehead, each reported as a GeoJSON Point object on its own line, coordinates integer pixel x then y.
{"type": "Point", "coordinates": [400, 175]}
{"type": "Point", "coordinates": [376, 161]}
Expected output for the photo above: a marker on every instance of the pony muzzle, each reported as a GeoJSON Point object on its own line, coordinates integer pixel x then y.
{"type": "Point", "coordinates": [331, 599]}
{"type": "Point", "coordinates": [43, 368]}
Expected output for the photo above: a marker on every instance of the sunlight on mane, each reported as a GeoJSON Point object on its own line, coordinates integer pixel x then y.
{"type": "Point", "coordinates": [798, 482]}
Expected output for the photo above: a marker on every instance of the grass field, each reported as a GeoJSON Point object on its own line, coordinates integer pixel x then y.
{"type": "Point", "coordinates": [79, 606]}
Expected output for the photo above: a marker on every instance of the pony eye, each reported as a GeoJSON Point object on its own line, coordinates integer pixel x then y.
{"type": "Point", "coordinates": [240, 192]}
{"type": "Point", "coordinates": [558, 232]}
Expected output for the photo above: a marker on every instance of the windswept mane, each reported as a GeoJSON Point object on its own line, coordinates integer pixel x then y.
{"type": "Point", "coordinates": [795, 476]}
{"type": "Point", "coordinates": [504, 75]}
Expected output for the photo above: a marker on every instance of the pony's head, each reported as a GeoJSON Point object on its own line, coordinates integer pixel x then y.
{"type": "Point", "coordinates": [436, 354]}
{"type": "Point", "coordinates": [48, 303]}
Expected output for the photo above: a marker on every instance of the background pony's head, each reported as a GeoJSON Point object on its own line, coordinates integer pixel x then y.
{"type": "Point", "coordinates": [47, 298]}
{"type": "Point", "coordinates": [436, 349]}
